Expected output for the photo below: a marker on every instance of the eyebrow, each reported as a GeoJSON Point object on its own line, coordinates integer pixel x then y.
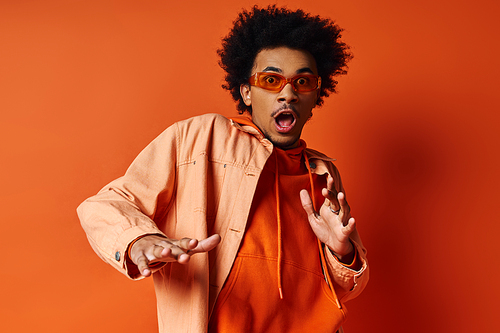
{"type": "Point", "coordinates": [279, 70]}
{"type": "Point", "coordinates": [272, 69]}
{"type": "Point", "coordinates": [305, 70]}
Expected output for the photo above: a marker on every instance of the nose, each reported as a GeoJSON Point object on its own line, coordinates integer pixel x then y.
{"type": "Point", "coordinates": [287, 94]}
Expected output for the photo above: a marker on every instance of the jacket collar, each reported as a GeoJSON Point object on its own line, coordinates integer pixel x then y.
{"type": "Point", "coordinates": [246, 125]}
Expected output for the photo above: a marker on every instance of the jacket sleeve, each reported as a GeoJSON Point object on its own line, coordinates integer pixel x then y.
{"type": "Point", "coordinates": [347, 282]}
{"type": "Point", "coordinates": [127, 208]}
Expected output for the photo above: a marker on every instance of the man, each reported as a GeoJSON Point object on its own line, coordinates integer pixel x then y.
{"type": "Point", "coordinates": [243, 228]}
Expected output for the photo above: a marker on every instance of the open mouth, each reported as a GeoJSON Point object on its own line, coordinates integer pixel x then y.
{"type": "Point", "coordinates": [285, 121]}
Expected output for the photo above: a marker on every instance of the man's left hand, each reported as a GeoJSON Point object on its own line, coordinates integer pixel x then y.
{"type": "Point", "coordinates": [333, 224]}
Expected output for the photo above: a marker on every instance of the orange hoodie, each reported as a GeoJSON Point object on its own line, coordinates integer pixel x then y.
{"type": "Point", "coordinates": [277, 283]}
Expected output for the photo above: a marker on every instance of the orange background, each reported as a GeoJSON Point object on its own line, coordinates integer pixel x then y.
{"type": "Point", "coordinates": [85, 85]}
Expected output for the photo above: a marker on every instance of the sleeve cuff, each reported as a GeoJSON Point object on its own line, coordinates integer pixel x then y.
{"type": "Point", "coordinates": [356, 261]}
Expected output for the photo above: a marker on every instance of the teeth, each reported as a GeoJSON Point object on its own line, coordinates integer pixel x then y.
{"type": "Point", "coordinates": [285, 114]}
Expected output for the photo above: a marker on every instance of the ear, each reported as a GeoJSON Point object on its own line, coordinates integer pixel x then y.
{"type": "Point", "coordinates": [318, 92]}
{"type": "Point", "coordinates": [246, 94]}
{"type": "Point", "coordinates": [317, 97]}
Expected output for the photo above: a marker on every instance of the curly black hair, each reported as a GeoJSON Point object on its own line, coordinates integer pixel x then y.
{"type": "Point", "coordinates": [271, 27]}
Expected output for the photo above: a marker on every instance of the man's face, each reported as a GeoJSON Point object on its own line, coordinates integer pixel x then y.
{"type": "Point", "coordinates": [281, 115]}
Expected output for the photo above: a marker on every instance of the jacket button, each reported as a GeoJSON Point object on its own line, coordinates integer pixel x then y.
{"type": "Point", "coordinates": [117, 256]}
{"type": "Point", "coordinates": [312, 165]}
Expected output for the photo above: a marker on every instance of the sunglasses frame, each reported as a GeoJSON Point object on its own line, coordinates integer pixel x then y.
{"type": "Point", "coordinates": [254, 81]}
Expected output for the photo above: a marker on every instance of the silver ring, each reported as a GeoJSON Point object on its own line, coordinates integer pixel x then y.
{"type": "Point", "coordinates": [334, 212]}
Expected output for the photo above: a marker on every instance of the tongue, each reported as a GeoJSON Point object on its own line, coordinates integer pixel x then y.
{"type": "Point", "coordinates": [284, 120]}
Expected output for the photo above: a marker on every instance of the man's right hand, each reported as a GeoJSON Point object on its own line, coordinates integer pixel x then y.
{"type": "Point", "coordinates": [154, 248]}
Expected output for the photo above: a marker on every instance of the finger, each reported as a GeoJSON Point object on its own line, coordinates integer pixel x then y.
{"type": "Point", "coordinates": [161, 252]}
{"type": "Point", "coordinates": [344, 207]}
{"type": "Point", "coordinates": [186, 243]}
{"type": "Point", "coordinates": [307, 203]}
{"type": "Point", "coordinates": [157, 250]}
{"type": "Point", "coordinates": [349, 228]}
{"type": "Point", "coordinates": [330, 193]}
{"type": "Point", "coordinates": [330, 185]}
{"type": "Point", "coordinates": [142, 265]}
{"type": "Point", "coordinates": [179, 254]}
{"type": "Point", "coordinates": [206, 245]}
{"type": "Point", "coordinates": [330, 200]}
{"type": "Point", "coordinates": [183, 258]}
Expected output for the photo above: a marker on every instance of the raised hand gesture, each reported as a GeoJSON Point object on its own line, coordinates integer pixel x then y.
{"type": "Point", "coordinates": [333, 223]}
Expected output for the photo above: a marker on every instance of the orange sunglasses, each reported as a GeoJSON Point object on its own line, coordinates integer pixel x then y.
{"type": "Point", "coordinates": [275, 82]}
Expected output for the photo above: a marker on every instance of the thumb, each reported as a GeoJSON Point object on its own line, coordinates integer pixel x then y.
{"type": "Point", "coordinates": [307, 203]}
{"type": "Point", "coordinates": [206, 244]}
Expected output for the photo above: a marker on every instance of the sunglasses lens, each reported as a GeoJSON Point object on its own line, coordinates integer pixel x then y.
{"type": "Point", "coordinates": [270, 81]}
{"type": "Point", "coordinates": [305, 83]}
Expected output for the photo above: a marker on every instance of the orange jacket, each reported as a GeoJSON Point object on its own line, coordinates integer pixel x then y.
{"type": "Point", "coordinates": [195, 179]}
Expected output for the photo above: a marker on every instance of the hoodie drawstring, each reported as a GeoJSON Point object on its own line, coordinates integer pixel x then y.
{"type": "Point", "coordinates": [278, 213]}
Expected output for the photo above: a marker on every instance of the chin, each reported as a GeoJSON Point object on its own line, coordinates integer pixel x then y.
{"type": "Point", "coordinates": [285, 144]}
